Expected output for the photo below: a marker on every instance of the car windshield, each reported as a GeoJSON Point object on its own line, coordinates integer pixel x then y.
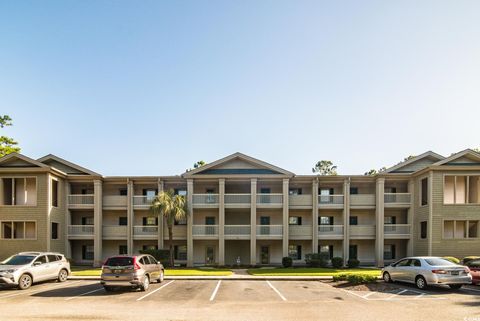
{"type": "Point", "coordinates": [19, 260]}
{"type": "Point", "coordinates": [119, 261]}
{"type": "Point", "coordinates": [438, 262]}
{"type": "Point", "coordinates": [474, 264]}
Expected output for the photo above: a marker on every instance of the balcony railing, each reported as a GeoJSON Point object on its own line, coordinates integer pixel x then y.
{"type": "Point", "coordinates": [397, 198]}
{"type": "Point", "coordinates": [397, 229]}
{"type": "Point", "coordinates": [327, 200]}
{"type": "Point", "coordinates": [270, 199]}
{"type": "Point", "coordinates": [237, 230]}
{"type": "Point", "coordinates": [142, 200]}
{"type": "Point", "coordinates": [114, 200]}
{"type": "Point", "coordinates": [205, 230]}
{"type": "Point", "coordinates": [362, 230]}
{"type": "Point", "coordinates": [300, 200]}
{"type": "Point", "coordinates": [237, 199]}
{"type": "Point", "coordinates": [80, 230]}
{"type": "Point", "coordinates": [269, 230]}
{"type": "Point", "coordinates": [295, 231]}
{"type": "Point", "coordinates": [325, 231]}
{"type": "Point", "coordinates": [362, 200]}
{"type": "Point", "coordinates": [205, 199]}
{"type": "Point", "coordinates": [114, 231]}
{"type": "Point", "coordinates": [80, 199]}
{"type": "Point", "coordinates": [145, 230]}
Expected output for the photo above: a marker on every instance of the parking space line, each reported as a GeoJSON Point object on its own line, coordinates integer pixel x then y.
{"type": "Point", "coordinates": [150, 293]}
{"type": "Point", "coordinates": [367, 295]}
{"type": "Point", "coordinates": [77, 296]}
{"type": "Point", "coordinates": [33, 291]}
{"type": "Point", "coordinates": [278, 292]}
{"type": "Point", "coordinates": [215, 290]}
{"type": "Point", "coordinates": [396, 294]}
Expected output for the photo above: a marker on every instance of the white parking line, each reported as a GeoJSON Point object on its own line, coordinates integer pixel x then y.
{"type": "Point", "coordinates": [278, 292]}
{"type": "Point", "coordinates": [148, 294]}
{"type": "Point", "coordinates": [76, 296]}
{"type": "Point", "coordinates": [33, 290]}
{"type": "Point", "coordinates": [395, 294]}
{"type": "Point", "coordinates": [215, 291]}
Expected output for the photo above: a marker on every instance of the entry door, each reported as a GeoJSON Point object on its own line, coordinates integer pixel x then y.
{"type": "Point", "coordinates": [265, 255]}
{"type": "Point", "coordinates": [209, 255]}
{"type": "Point", "coordinates": [264, 220]}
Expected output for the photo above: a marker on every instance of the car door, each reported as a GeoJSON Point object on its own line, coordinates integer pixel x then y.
{"type": "Point", "coordinates": [55, 265]}
{"type": "Point", "coordinates": [413, 270]}
{"type": "Point", "coordinates": [398, 270]}
{"type": "Point", "coordinates": [40, 268]}
{"type": "Point", "coordinates": [154, 267]}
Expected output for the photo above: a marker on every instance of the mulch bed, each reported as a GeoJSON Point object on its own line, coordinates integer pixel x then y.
{"type": "Point", "coordinates": [378, 286]}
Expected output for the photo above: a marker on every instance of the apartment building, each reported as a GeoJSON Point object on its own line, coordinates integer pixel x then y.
{"type": "Point", "coordinates": [244, 210]}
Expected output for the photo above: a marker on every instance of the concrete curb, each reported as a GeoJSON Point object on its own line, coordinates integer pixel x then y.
{"type": "Point", "coordinates": [233, 278]}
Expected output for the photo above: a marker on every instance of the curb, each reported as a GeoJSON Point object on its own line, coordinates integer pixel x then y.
{"type": "Point", "coordinates": [233, 278]}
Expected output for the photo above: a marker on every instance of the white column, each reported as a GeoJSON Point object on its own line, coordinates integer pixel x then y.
{"type": "Point", "coordinates": [285, 217]}
{"type": "Point", "coordinates": [160, 241]}
{"type": "Point", "coordinates": [49, 210]}
{"type": "Point", "coordinates": [190, 223]}
{"type": "Point", "coordinates": [346, 221]}
{"type": "Point", "coordinates": [68, 221]}
{"type": "Point", "coordinates": [98, 223]}
{"type": "Point", "coordinates": [130, 217]}
{"type": "Point", "coordinates": [430, 214]}
{"type": "Point", "coordinates": [379, 220]}
{"type": "Point", "coordinates": [315, 215]}
{"type": "Point", "coordinates": [253, 221]}
{"type": "Point", "coordinates": [221, 222]}
{"type": "Point", "coordinates": [411, 187]}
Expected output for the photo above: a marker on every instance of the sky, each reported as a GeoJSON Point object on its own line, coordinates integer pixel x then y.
{"type": "Point", "coordinates": [150, 87]}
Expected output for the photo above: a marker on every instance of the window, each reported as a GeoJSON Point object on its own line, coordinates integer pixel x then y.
{"type": "Point", "coordinates": [149, 247]}
{"type": "Point", "coordinates": [424, 191]}
{"type": "Point", "coordinates": [87, 252]}
{"type": "Point", "coordinates": [87, 220]}
{"type": "Point", "coordinates": [122, 249]}
{"type": "Point", "coordinates": [123, 191]}
{"type": "Point", "coordinates": [325, 195]}
{"type": "Point", "coordinates": [326, 251]}
{"type": "Point", "coordinates": [352, 252]}
{"type": "Point", "coordinates": [265, 190]}
{"type": "Point", "coordinates": [180, 222]}
{"type": "Point", "coordinates": [40, 260]}
{"type": "Point", "coordinates": [18, 230]}
{"type": "Point", "coordinates": [19, 191]}
{"type": "Point", "coordinates": [122, 220]}
{"type": "Point", "coordinates": [423, 230]}
{"type": "Point", "coordinates": [295, 252]}
{"type": "Point", "coordinates": [295, 191]}
{"type": "Point", "coordinates": [473, 229]}
{"type": "Point", "coordinates": [54, 231]}
{"type": "Point", "coordinates": [353, 220]}
{"type": "Point", "coordinates": [180, 252]}
{"type": "Point", "coordinates": [144, 260]}
{"type": "Point", "coordinates": [448, 230]}
{"type": "Point", "coordinates": [294, 220]}
{"type": "Point", "coordinates": [460, 229]}
{"type": "Point", "coordinates": [53, 258]}
{"type": "Point", "coordinates": [181, 192]}
{"type": "Point", "coordinates": [150, 194]}
{"type": "Point", "coordinates": [150, 221]}
{"type": "Point", "coordinates": [390, 220]}
{"type": "Point", "coordinates": [325, 220]}
{"type": "Point", "coordinates": [389, 252]}
{"type": "Point", "coordinates": [461, 190]}
{"type": "Point", "coordinates": [54, 196]}
{"type": "Point", "coordinates": [353, 190]}
{"type": "Point", "coordinates": [209, 220]}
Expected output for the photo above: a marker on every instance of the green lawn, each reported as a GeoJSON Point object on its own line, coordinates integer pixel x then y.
{"type": "Point", "coordinates": [86, 271]}
{"type": "Point", "coordinates": [311, 271]}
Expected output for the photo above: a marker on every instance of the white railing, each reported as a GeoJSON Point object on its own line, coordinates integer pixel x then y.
{"type": "Point", "coordinates": [362, 200]}
{"type": "Point", "coordinates": [205, 199]}
{"type": "Point", "coordinates": [272, 230]}
{"type": "Point", "coordinates": [330, 230]}
{"type": "Point", "coordinates": [270, 199]}
{"type": "Point", "coordinates": [142, 200]}
{"type": "Point", "coordinates": [330, 199]}
{"type": "Point", "coordinates": [397, 198]}
{"type": "Point", "coordinates": [300, 200]}
{"type": "Point", "coordinates": [115, 200]}
{"type": "Point", "coordinates": [205, 230]}
{"type": "Point", "coordinates": [362, 230]}
{"type": "Point", "coordinates": [300, 230]}
{"type": "Point", "coordinates": [80, 230]}
{"type": "Point", "coordinates": [145, 230]}
{"type": "Point", "coordinates": [237, 229]}
{"type": "Point", "coordinates": [237, 199]}
{"type": "Point", "coordinates": [114, 230]}
{"type": "Point", "coordinates": [396, 229]}
{"type": "Point", "coordinates": [80, 199]}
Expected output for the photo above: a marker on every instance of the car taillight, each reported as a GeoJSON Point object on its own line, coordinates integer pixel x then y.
{"type": "Point", "coordinates": [439, 271]}
{"type": "Point", "coordinates": [135, 264]}
{"type": "Point", "coordinates": [467, 270]}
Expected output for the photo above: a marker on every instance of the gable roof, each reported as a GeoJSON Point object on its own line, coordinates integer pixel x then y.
{"type": "Point", "coordinates": [19, 160]}
{"type": "Point", "coordinates": [421, 161]}
{"type": "Point", "coordinates": [68, 167]}
{"type": "Point", "coordinates": [262, 168]}
{"type": "Point", "coordinates": [466, 157]}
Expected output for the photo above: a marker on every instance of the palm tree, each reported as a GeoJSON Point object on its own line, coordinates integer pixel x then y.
{"type": "Point", "coordinates": [173, 208]}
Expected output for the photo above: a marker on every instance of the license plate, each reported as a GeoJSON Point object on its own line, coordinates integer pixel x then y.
{"type": "Point", "coordinates": [117, 271]}
{"type": "Point", "coordinates": [455, 272]}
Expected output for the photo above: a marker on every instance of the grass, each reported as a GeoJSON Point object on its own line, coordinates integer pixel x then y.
{"type": "Point", "coordinates": [85, 271]}
{"type": "Point", "coordinates": [88, 271]}
{"type": "Point", "coordinates": [311, 271]}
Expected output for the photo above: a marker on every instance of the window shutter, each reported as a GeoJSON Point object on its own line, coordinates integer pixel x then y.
{"type": "Point", "coordinates": [394, 220]}
{"type": "Point", "coordinates": [144, 221]}
{"type": "Point", "coordinates": [299, 252]}
{"type": "Point", "coordinates": [330, 250]}
{"type": "Point", "coordinates": [299, 191]}
{"type": "Point", "coordinates": [330, 220]}
{"type": "Point", "coordinates": [84, 221]}
{"type": "Point", "coordinates": [332, 191]}
{"type": "Point", "coordinates": [299, 220]}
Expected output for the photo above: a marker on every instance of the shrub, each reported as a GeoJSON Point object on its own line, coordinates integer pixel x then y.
{"type": "Point", "coordinates": [160, 255]}
{"type": "Point", "coordinates": [287, 262]}
{"type": "Point", "coordinates": [470, 258]}
{"type": "Point", "coordinates": [361, 278]}
{"type": "Point", "coordinates": [337, 262]}
{"type": "Point", "coordinates": [316, 260]}
{"type": "Point", "coordinates": [340, 277]}
{"type": "Point", "coordinates": [353, 263]}
{"type": "Point", "coordinates": [451, 259]}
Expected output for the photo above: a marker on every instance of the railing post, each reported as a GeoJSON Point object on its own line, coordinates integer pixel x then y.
{"type": "Point", "coordinates": [253, 221]}
{"type": "Point", "coordinates": [221, 222]}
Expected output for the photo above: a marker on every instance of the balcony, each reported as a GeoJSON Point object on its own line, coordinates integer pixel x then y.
{"type": "Point", "coordinates": [237, 232]}
{"type": "Point", "coordinates": [397, 199]}
{"type": "Point", "coordinates": [330, 232]}
{"type": "Point", "coordinates": [115, 201]}
{"type": "Point", "coordinates": [205, 231]}
{"type": "Point", "coordinates": [362, 200]}
{"type": "Point", "coordinates": [80, 232]}
{"type": "Point", "coordinates": [114, 232]}
{"type": "Point", "coordinates": [179, 232]}
{"type": "Point", "coordinates": [81, 201]}
{"type": "Point", "coordinates": [300, 232]}
{"type": "Point", "coordinates": [142, 201]}
{"type": "Point", "coordinates": [362, 231]}
{"type": "Point", "coordinates": [269, 200]}
{"type": "Point", "coordinates": [397, 231]}
{"type": "Point", "coordinates": [205, 200]}
{"type": "Point", "coordinates": [300, 201]}
{"type": "Point", "coordinates": [145, 232]}
{"type": "Point", "coordinates": [269, 232]}
{"type": "Point", "coordinates": [330, 201]}
{"type": "Point", "coordinates": [237, 200]}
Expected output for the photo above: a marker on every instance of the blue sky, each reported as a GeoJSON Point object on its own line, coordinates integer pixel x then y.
{"type": "Point", "coordinates": [150, 87]}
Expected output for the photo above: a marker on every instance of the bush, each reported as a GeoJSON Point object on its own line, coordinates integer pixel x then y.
{"type": "Point", "coordinates": [317, 260]}
{"type": "Point", "coordinates": [356, 278]}
{"type": "Point", "coordinates": [451, 259]}
{"type": "Point", "coordinates": [353, 263]}
{"type": "Point", "coordinates": [470, 258]}
{"type": "Point", "coordinates": [337, 262]}
{"type": "Point", "coordinates": [340, 277]}
{"type": "Point", "coordinates": [160, 255]}
{"type": "Point", "coordinates": [287, 262]}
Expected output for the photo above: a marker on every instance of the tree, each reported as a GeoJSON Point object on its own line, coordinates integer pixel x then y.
{"type": "Point", "coordinates": [477, 150]}
{"type": "Point", "coordinates": [374, 172]}
{"type": "Point", "coordinates": [409, 158]}
{"type": "Point", "coordinates": [198, 164]}
{"type": "Point", "coordinates": [325, 167]}
{"type": "Point", "coordinates": [171, 207]}
{"type": "Point", "coordinates": [7, 145]}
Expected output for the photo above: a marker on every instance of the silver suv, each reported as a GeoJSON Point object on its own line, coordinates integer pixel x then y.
{"type": "Point", "coordinates": [24, 269]}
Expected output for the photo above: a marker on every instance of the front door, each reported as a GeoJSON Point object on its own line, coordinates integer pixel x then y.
{"type": "Point", "coordinates": [265, 255]}
{"type": "Point", "coordinates": [209, 255]}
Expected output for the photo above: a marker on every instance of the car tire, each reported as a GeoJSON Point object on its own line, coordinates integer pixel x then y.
{"type": "Point", "coordinates": [146, 283]}
{"type": "Point", "coordinates": [25, 281]}
{"type": "Point", "coordinates": [420, 282]}
{"type": "Point", "coordinates": [108, 288]}
{"type": "Point", "coordinates": [62, 275]}
{"type": "Point", "coordinates": [387, 278]}
{"type": "Point", "coordinates": [161, 277]}
{"type": "Point", "coordinates": [455, 286]}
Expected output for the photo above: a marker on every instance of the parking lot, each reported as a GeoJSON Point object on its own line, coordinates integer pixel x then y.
{"type": "Point", "coordinates": [236, 300]}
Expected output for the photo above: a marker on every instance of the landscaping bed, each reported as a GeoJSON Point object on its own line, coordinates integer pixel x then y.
{"type": "Point", "coordinates": [378, 286]}
{"type": "Point", "coordinates": [89, 271]}
{"type": "Point", "coordinates": [307, 271]}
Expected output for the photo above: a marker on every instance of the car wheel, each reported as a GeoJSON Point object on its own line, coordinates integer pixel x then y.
{"type": "Point", "coordinates": [108, 288]}
{"type": "Point", "coordinates": [387, 278]}
{"type": "Point", "coordinates": [146, 283]}
{"type": "Point", "coordinates": [62, 275]}
{"type": "Point", "coordinates": [24, 282]}
{"type": "Point", "coordinates": [420, 282]}
{"type": "Point", "coordinates": [160, 279]}
{"type": "Point", "coordinates": [455, 286]}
